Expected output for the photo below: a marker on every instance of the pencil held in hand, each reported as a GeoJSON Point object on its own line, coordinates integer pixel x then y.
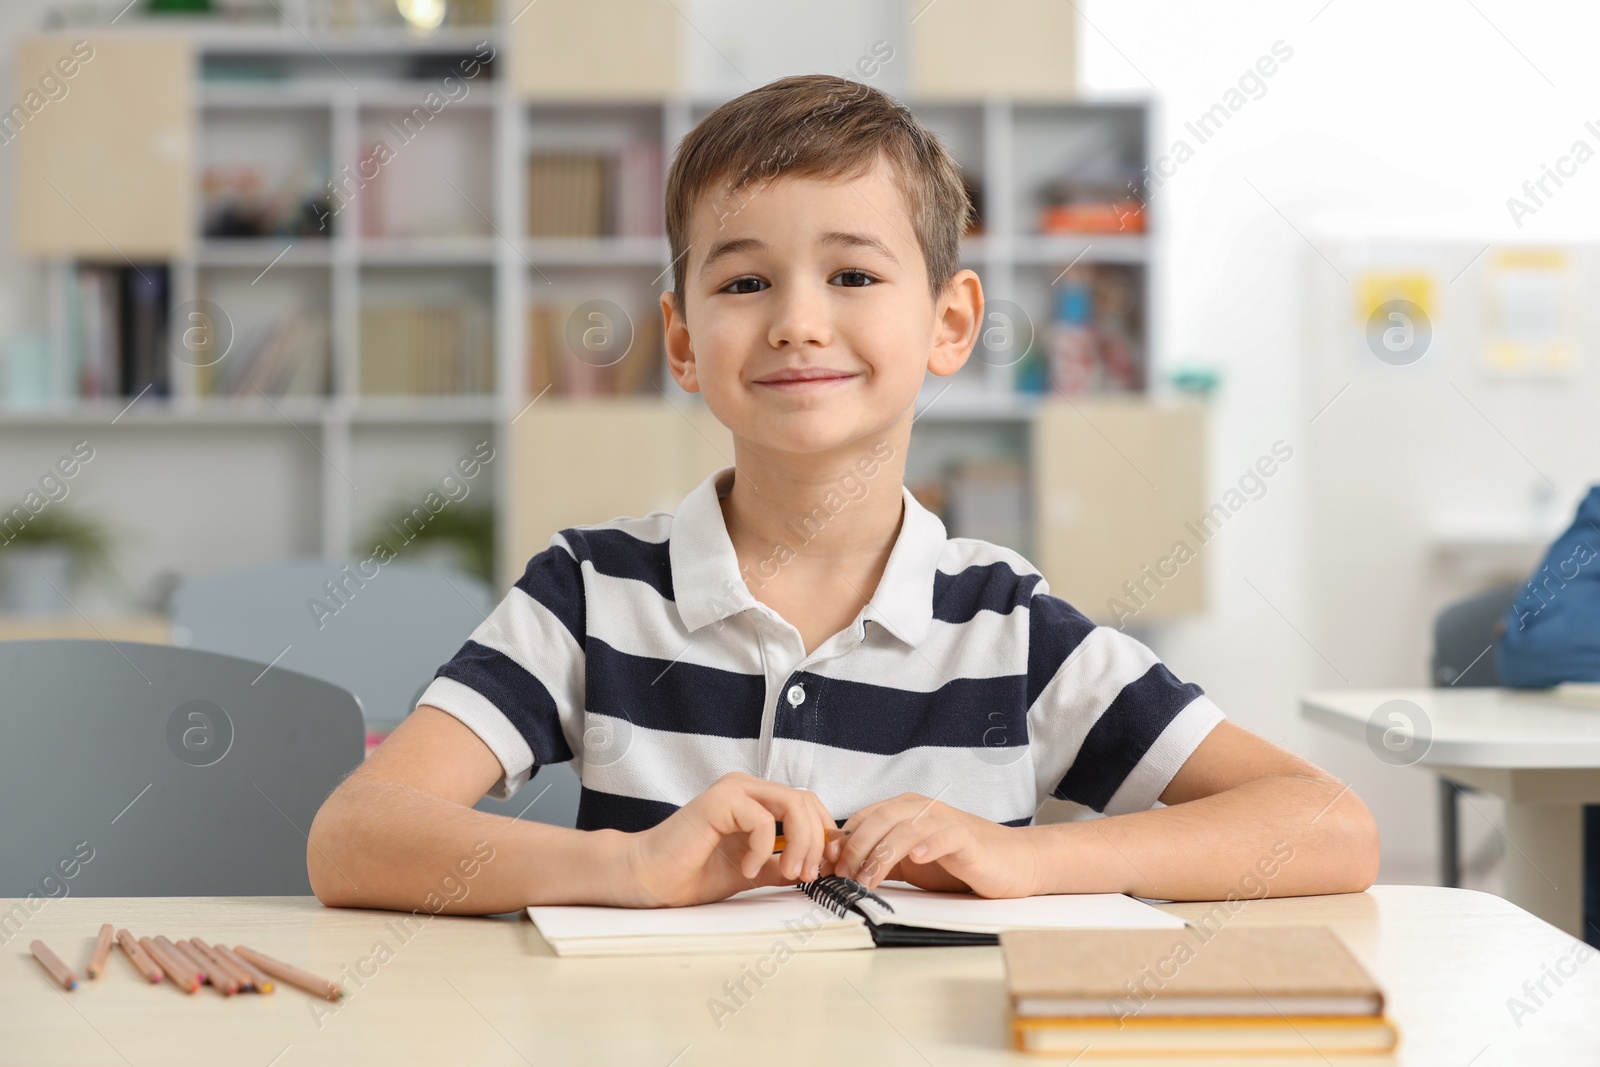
{"type": "Point", "coordinates": [833, 833]}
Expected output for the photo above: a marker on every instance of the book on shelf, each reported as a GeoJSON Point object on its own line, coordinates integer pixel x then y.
{"type": "Point", "coordinates": [557, 358]}
{"type": "Point", "coordinates": [117, 330]}
{"type": "Point", "coordinates": [439, 348]}
{"type": "Point", "coordinates": [1288, 991]}
{"type": "Point", "coordinates": [288, 356]}
{"type": "Point", "coordinates": [1095, 339]}
{"type": "Point", "coordinates": [613, 193]}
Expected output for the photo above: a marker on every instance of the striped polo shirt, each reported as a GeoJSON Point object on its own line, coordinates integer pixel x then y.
{"type": "Point", "coordinates": [635, 649]}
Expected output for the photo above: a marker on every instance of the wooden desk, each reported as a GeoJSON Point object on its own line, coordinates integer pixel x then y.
{"type": "Point", "coordinates": [1540, 754]}
{"type": "Point", "coordinates": [490, 991]}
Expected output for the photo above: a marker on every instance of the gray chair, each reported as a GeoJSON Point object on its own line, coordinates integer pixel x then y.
{"type": "Point", "coordinates": [381, 637]}
{"type": "Point", "coordinates": [1461, 634]}
{"type": "Point", "coordinates": [146, 770]}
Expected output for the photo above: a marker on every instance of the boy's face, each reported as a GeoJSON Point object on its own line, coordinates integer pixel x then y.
{"type": "Point", "coordinates": [824, 278]}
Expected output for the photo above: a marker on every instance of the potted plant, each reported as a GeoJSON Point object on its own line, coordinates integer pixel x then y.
{"type": "Point", "coordinates": [43, 559]}
{"type": "Point", "coordinates": [458, 536]}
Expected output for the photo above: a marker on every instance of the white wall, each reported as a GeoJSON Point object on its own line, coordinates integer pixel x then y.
{"type": "Point", "coordinates": [1418, 117]}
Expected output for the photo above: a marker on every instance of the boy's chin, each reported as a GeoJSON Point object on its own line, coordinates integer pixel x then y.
{"type": "Point", "coordinates": [817, 433]}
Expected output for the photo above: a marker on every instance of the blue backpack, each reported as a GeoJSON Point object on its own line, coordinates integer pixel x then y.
{"type": "Point", "coordinates": [1552, 629]}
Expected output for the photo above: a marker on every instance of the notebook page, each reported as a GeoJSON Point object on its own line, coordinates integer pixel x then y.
{"type": "Point", "coordinates": [759, 910]}
{"type": "Point", "coordinates": [964, 911]}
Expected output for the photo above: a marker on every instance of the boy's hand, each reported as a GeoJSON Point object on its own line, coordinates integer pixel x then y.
{"type": "Point", "coordinates": [720, 843]}
{"type": "Point", "coordinates": [934, 846]}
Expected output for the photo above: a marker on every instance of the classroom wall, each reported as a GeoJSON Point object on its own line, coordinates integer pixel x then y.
{"type": "Point", "coordinates": [1422, 117]}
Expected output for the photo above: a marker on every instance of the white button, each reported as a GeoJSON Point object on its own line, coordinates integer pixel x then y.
{"type": "Point", "coordinates": [796, 695]}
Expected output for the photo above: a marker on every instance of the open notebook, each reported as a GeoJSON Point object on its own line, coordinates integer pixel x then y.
{"type": "Point", "coordinates": [842, 916]}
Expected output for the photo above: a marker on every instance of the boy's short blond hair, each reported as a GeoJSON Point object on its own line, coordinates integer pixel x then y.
{"type": "Point", "coordinates": [817, 126]}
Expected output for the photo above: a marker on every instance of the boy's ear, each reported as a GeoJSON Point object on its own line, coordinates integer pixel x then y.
{"type": "Point", "coordinates": [679, 345]}
{"type": "Point", "coordinates": [958, 316]}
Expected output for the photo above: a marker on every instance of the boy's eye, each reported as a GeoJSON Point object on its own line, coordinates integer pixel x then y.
{"type": "Point", "coordinates": [732, 287]}
{"type": "Point", "coordinates": [866, 279]}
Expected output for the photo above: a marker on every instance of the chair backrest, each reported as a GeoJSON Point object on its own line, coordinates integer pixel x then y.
{"type": "Point", "coordinates": [1462, 632]}
{"type": "Point", "coordinates": [380, 637]}
{"type": "Point", "coordinates": [147, 770]}
{"type": "Point", "coordinates": [379, 631]}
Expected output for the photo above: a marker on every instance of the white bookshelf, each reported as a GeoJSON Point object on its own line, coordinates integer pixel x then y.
{"type": "Point", "coordinates": [339, 87]}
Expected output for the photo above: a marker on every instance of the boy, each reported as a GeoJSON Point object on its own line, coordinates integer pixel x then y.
{"type": "Point", "coordinates": [800, 646]}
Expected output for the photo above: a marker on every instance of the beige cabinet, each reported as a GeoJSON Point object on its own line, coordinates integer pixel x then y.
{"type": "Point", "coordinates": [588, 50]}
{"type": "Point", "coordinates": [1119, 506]}
{"type": "Point", "coordinates": [102, 129]}
{"type": "Point", "coordinates": [578, 461]}
{"type": "Point", "coordinates": [1023, 49]}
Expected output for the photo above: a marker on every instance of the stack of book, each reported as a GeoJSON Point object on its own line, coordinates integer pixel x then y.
{"type": "Point", "coordinates": [596, 194]}
{"type": "Point", "coordinates": [1284, 991]}
{"type": "Point", "coordinates": [119, 329]}
{"type": "Point", "coordinates": [443, 348]}
{"type": "Point", "coordinates": [288, 357]}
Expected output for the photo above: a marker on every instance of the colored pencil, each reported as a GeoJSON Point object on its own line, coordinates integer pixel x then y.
{"type": "Point", "coordinates": [102, 949]}
{"type": "Point", "coordinates": [202, 967]}
{"type": "Point", "coordinates": [180, 970]}
{"type": "Point", "coordinates": [223, 977]}
{"type": "Point", "coordinates": [260, 981]}
{"type": "Point", "coordinates": [137, 956]}
{"type": "Point", "coordinates": [320, 987]}
{"type": "Point", "coordinates": [832, 833]}
{"type": "Point", "coordinates": [52, 963]}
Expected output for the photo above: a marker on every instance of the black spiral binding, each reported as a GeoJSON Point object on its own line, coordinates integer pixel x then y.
{"type": "Point", "coordinates": [837, 893]}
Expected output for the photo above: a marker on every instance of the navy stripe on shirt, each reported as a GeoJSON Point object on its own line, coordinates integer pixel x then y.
{"type": "Point", "coordinates": [1122, 735]}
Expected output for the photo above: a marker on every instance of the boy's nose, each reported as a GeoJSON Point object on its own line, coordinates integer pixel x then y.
{"type": "Point", "coordinates": [800, 319]}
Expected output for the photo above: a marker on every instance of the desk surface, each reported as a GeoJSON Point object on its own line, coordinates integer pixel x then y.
{"type": "Point", "coordinates": [490, 991]}
{"type": "Point", "coordinates": [1510, 728]}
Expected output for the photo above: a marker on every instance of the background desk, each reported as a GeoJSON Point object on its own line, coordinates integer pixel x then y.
{"type": "Point", "coordinates": [489, 991]}
{"type": "Point", "coordinates": [1540, 754]}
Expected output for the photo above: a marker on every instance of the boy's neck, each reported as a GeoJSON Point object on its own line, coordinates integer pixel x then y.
{"type": "Point", "coordinates": [800, 517]}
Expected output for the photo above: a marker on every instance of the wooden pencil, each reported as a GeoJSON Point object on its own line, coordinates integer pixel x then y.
{"type": "Point", "coordinates": [832, 833]}
{"type": "Point", "coordinates": [52, 963]}
{"type": "Point", "coordinates": [202, 966]}
{"type": "Point", "coordinates": [136, 956]}
{"type": "Point", "coordinates": [260, 981]}
{"type": "Point", "coordinates": [102, 949]}
{"type": "Point", "coordinates": [220, 980]}
{"type": "Point", "coordinates": [223, 977]}
{"type": "Point", "coordinates": [284, 972]}
{"type": "Point", "coordinates": [178, 969]}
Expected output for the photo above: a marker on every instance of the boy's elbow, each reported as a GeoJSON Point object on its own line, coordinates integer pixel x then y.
{"type": "Point", "coordinates": [323, 845]}
{"type": "Point", "coordinates": [1359, 847]}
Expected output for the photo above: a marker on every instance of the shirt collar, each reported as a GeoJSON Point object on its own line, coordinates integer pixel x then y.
{"type": "Point", "coordinates": [707, 585]}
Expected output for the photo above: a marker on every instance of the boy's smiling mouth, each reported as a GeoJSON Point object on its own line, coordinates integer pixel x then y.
{"type": "Point", "coordinates": [805, 379]}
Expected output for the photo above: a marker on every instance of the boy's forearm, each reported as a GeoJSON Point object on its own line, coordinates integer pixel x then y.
{"type": "Point", "coordinates": [383, 845]}
{"type": "Point", "coordinates": [1280, 836]}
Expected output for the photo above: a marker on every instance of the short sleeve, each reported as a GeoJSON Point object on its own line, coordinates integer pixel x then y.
{"type": "Point", "coordinates": [1109, 725]}
{"type": "Point", "coordinates": [518, 681]}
